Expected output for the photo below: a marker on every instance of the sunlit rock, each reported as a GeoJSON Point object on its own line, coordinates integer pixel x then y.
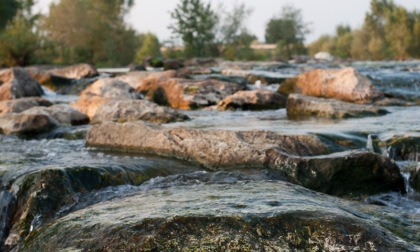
{"type": "Point", "coordinates": [258, 99]}
{"type": "Point", "coordinates": [22, 104]}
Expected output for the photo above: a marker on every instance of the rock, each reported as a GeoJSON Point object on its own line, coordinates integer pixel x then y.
{"type": "Point", "coordinates": [37, 120]}
{"type": "Point", "coordinates": [134, 68]}
{"type": "Point", "coordinates": [136, 78]}
{"type": "Point", "coordinates": [393, 102]}
{"type": "Point", "coordinates": [342, 84]}
{"type": "Point", "coordinates": [173, 64]}
{"type": "Point", "coordinates": [101, 91]}
{"type": "Point", "coordinates": [22, 104]}
{"type": "Point", "coordinates": [195, 70]}
{"type": "Point", "coordinates": [298, 104]}
{"type": "Point", "coordinates": [415, 178]}
{"type": "Point", "coordinates": [78, 71]}
{"type": "Point", "coordinates": [402, 147]}
{"type": "Point", "coordinates": [275, 216]}
{"type": "Point", "coordinates": [253, 100]}
{"type": "Point", "coordinates": [17, 83]}
{"type": "Point", "coordinates": [258, 76]}
{"type": "Point", "coordinates": [346, 173]}
{"type": "Point", "coordinates": [201, 62]}
{"type": "Point", "coordinates": [50, 80]}
{"type": "Point", "coordinates": [186, 94]}
{"type": "Point", "coordinates": [133, 110]}
{"type": "Point", "coordinates": [325, 56]}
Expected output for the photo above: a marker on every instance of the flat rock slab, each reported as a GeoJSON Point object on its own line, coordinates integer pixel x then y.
{"type": "Point", "coordinates": [22, 104]}
{"type": "Point", "coordinates": [136, 78]}
{"type": "Point", "coordinates": [345, 84]}
{"type": "Point", "coordinates": [186, 93]}
{"type": "Point", "coordinates": [134, 110]}
{"type": "Point", "coordinates": [17, 83]}
{"type": "Point", "coordinates": [77, 71]}
{"type": "Point", "coordinates": [271, 216]}
{"type": "Point", "coordinates": [298, 104]}
{"type": "Point", "coordinates": [258, 99]}
{"type": "Point", "coordinates": [346, 173]}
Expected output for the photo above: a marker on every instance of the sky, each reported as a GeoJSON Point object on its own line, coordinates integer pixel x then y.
{"type": "Point", "coordinates": [322, 15]}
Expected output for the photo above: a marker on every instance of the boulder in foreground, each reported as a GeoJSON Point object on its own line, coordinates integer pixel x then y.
{"type": "Point", "coordinates": [298, 104]}
{"type": "Point", "coordinates": [346, 173]}
{"type": "Point", "coordinates": [17, 83]}
{"type": "Point", "coordinates": [345, 84]}
{"type": "Point", "coordinates": [134, 110]}
{"type": "Point", "coordinates": [258, 99]}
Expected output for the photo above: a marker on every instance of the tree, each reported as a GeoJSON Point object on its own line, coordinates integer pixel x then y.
{"type": "Point", "coordinates": [8, 9]}
{"type": "Point", "coordinates": [91, 31]}
{"type": "Point", "coordinates": [194, 24]}
{"type": "Point", "coordinates": [288, 32]}
{"type": "Point", "coordinates": [150, 47]}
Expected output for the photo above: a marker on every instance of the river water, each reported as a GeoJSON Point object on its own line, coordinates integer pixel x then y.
{"type": "Point", "coordinates": [234, 192]}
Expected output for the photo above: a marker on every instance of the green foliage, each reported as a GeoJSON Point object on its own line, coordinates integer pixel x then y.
{"type": "Point", "coordinates": [18, 43]}
{"type": "Point", "coordinates": [288, 32]}
{"type": "Point", "coordinates": [194, 24]}
{"type": "Point", "coordinates": [8, 9]}
{"type": "Point", "coordinates": [91, 31]}
{"type": "Point", "coordinates": [150, 48]}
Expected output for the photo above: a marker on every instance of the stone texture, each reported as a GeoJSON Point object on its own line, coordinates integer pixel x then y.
{"type": "Point", "coordinates": [62, 113]}
{"type": "Point", "coordinates": [102, 91]}
{"type": "Point", "coordinates": [133, 110]}
{"type": "Point", "coordinates": [402, 148]}
{"type": "Point", "coordinates": [17, 83]}
{"type": "Point", "coordinates": [136, 78]}
{"type": "Point", "coordinates": [253, 100]}
{"type": "Point", "coordinates": [346, 173]}
{"type": "Point", "coordinates": [342, 84]}
{"type": "Point", "coordinates": [75, 71]}
{"type": "Point", "coordinates": [22, 104]}
{"type": "Point", "coordinates": [50, 80]}
{"type": "Point", "coordinates": [298, 104]}
{"type": "Point", "coordinates": [185, 93]}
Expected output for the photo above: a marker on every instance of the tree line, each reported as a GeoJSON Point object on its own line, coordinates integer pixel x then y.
{"type": "Point", "coordinates": [94, 31]}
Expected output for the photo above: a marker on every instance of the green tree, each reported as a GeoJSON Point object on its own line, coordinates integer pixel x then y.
{"type": "Point", "coordinates": [194, 24]}
{"type": "Point", "coordinates": [8, 9]}
{"type": "Point", "coordinates": [91, 31]}
{"type": "Point", "coordinates": [150, 47]}
{"type": "Point", "coordinates": [288, 32]}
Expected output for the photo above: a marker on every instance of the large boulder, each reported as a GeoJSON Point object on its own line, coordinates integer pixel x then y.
{"type": "Point", "coordinates": [298, 104]}
{"type": "Point", "coordinates": [345, 84]}
{"type": "Point", "coordinates": [22, 104]}
{"type": "Point", "coordinates": [272, 216]}
{"type": "Point", "coordinates": [37, 120]}
{"type": "Point", "coordinates": [415, 177]}
{"type": "Point", "coordinates": [185, 93]}
{"type": "Point", "coordinates": [75, 71]}
{"type": "Point", "coordinates": [101, 91]}
{"type": "Point", "coordinates": [136, 78]}
{"type": "Point", "coordinates": [50, 80]}
{"type": "Point", "coordinates": [402, 147]}
{"type": "Point", "coordinates": [258, 99]}
{"type": "Point", "coordinates": [17, 83]}
{"type": "Point", "coordinates": [133, 110]}
{"type": "Point", "coordinates": [347, 173]}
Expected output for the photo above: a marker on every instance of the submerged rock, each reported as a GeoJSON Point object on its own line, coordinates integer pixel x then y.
{"type": "Point", "coordinates": [22, 104]}
{"type": "Point", "coordinates": [102, 91]}
{"type": "Point", "coordinates": [185, 93]}
{"type": "Point", "coordinates": [17, 83]}
{"type": "Point", "coordinates": [258, 99]}
{"type": "Point", "coordinates": [298, 104]}
{"type": "Point", "coordinates": [271, 216]}
{"type": "Point", "coordinates": [133, 110]}
{"type": "Point", "coordinates": [346, 173]}
{"type": "Point", "coordinates": [402, 147]}
{"type": "Point", "coordinates": [342, 84]}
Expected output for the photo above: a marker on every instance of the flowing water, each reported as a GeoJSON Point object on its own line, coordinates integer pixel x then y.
{"type": "Point", "coordinates": [183, 187]}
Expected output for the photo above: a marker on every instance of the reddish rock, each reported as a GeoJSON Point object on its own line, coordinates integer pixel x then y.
{"type": "Point", "coordinates": [136, 78]}
{"type": "Point", "coordinates": [342, 84]}
{"type": "Point", "coordinates": [258, 99]}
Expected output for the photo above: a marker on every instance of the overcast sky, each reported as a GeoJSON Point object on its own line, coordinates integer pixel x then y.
{"type": "Point", "coordinates": [323, 15]}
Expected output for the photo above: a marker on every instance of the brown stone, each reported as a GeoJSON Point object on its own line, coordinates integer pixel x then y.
{"type": "Point", "coordinates": [298, 104]}
{"type": "Point", "coordinates": [185, 93]}
{"type": "Point", "coordinates": [342, 84]}
{"type": "Point", "coordinates": [62, 113]}
{"type": "Point", "coordinates": [17, 83]}
{"type": "Point", "coordinates": [22, 104]}
{"type": "Point", "coordinates": [25, 124]}
{"type": "Point", "coordinates": [136, 78]}
{"type": "Point", "coordinates": [134, 110]}
{"type": "Point", "coordinates": [353, 173]}
{"type": "Point", "coordinates": [258, 99]}
{"type": "Point", "coordinates": [75, 71]}
{"type": "Point", "coordinates": [89, 104]}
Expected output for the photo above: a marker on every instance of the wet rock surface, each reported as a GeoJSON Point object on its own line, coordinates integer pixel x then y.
{"type": "Point", "coordinates": [17, 83]}
{"type": "Point", "coordinates": [274, 216]}
{"type": "Point", "coordinates": [345, 84]}
{"type": "Point", "coordinates": [22, 104]}
{"type": "Point", "coordinates": [298, 104]}
{"type": "Point", "coordinates": [133, 110]}
{"type": "Point", "coordinates": [253, 100]}
{"type": "Point", "coordinates": [338, 174]}
{"type": "Point", "coordinates": [185, 93]}
{"type": "Point", "coordinates": [406, 147]}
